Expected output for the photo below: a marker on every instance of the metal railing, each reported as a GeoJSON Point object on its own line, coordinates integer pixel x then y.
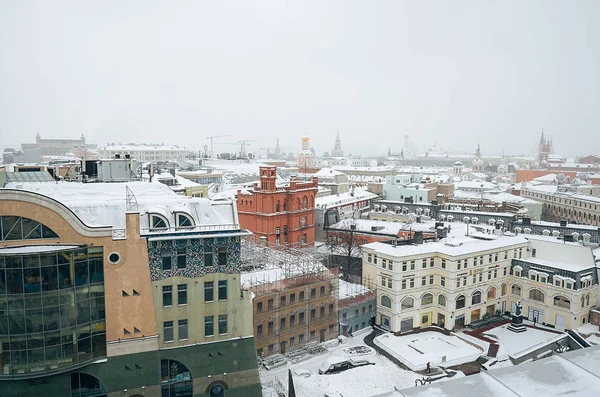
{"type": "Point", "coordinates": [119, 234]}
{"type": "Point", "coordinates": [188, 229]}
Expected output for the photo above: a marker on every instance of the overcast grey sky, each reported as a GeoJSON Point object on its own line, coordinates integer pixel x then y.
{"type": "Point", "coordinates": [453, 72]}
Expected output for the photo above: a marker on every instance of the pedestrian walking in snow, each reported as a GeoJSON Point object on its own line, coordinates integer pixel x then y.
{"type": "Point", "coordinates": [428, 367]}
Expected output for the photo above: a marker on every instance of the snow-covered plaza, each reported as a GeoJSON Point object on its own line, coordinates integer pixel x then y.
{"type": "Point", "coordinates": [512, 343]}
{"type": "Point", "coordinates": [416, 350]}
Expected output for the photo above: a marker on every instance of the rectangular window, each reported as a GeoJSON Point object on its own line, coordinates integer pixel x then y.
{"type": "Point", "coordinates": [301, 318]}
{"type": "Point", "coordinates": [431, 262]}
{"type": "Point", "coordinates": [277, 233]}
{"type": "Point", "coordinates": [313, 293]}
{"type": "Point", "coordinates": [390, 265]}
{"type": "Point", "coordinates": [222, 256]}
{"type": "Point", "coordinates": [292, 299]}
{"type": "Point", "coordinates": [259, 331]}
{"type": "Point", "coordinates": [209, 325]}
{"type": "Point", "coordinates": [301, 338]}
{"type": "Point", "coordinates": [292, 341]}
{"type": "Point", "coordinates": [181, 259]}
{"type": "Point", "coordinates": [222, 290]}
{"type": "Point", "coordinates": [375, 259]}
{"type": "Point", "coordinates": [458, 282]}
{"type": "Point", "coordinates": [430, 280]}
{"type": "Point", "coordinates": [356, 313]}
{"type": "Point", "coordinates": [168, 331]}
{"type": "Point", "coordinates": [322, 311]}
{"type": "Point", "coordinates": [364, 309]}
{"type": "Point", "coordinates": [424, 265]}
{"type": "Point", "coordinates": [404, 267]}
{"type": "Point", "coordinates": [403, 284]}
{"type": "Point", "coordinates": [292, 320]}
{"type": "Point", "coordinates": [481, 260]}
{"type": "Point", "coordinates": [443, 281]}
{"type": "Point", "coordinates": [443, 263]}
{"type": "Point", "coordinates": [505, 270]}
{"type": "Point", "coordinates": [166, 261]}
{"type": "Point", "coordinates": [208, 257]}
{"type": "Point", "coordinates": [412, 265]}
{"type": "Point", "coordinates": [412, 283]}
{"type": "Point", "coordinates": [182, 294]}
{"type": "Point", "coordinates": [389, 281]}
{"type": "Point", "coordinates": [383, 281]}
{"type": "Point", "coordinates": [331, 329]}
{"type": "Point", "coordinates": [282, 324]}
{"type": "Point", "coordinates": [259, 307]}
{"type": "Point", "coordinates": [222, 324]}
{"type": "Point", "coordinates": [322, 290]}
{"type": "Point", "coordinates": [270, 327]}
{"type": "Point", "coordinates": [331, 308]}
{"type": "Point", "coordinates": [313, 314]}
{"type": "Point", "coordinates": [480, 277]}
{"type": "Point", "coordinates": [270, 349]}
{"type": "Point", "coordinates": [282, 301]}
{"type": "Point", "coordinates": [490, 258]}
{"type": "Point", "coordinates": [301, 296]}
{"type": "Point", "coordinates": [345, 316]}
{"type": "Point", "coordinates": [313, 334]}
{"type": "Point", "coordinates": [384, 263]}
{"type": "Point", "coordinates": [270, 304]}
{"type": "Point", "coordinates": [209, 291]}
{"type": "Point", "coordinates": [458, 264]}
{"type": "Point", "coordinates": [423, 281]}
{"type": "Point", "coordinates": [182, 331]}
{"type": "Point", "coordinates": [167, 291]}
{"type": "Point", "coordinates": [369, 258]}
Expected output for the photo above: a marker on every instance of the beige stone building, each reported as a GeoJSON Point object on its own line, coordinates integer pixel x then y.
{"type": "Point", "coordinates": [460, 279]}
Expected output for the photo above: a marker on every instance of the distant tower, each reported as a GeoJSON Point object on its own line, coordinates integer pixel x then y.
{"type": "Point", "coordinates": [337, 149]}
{"type": "Point", "coordinates": [458, 168]}
{"type": "Point", "coordinates": [544, 149]}
{"type": "Point", "coordinates": [277, 150]}
{"type": "Point", "coordinates": [306, 158]}
{"type": "Point", "coordinates": [478, 164]}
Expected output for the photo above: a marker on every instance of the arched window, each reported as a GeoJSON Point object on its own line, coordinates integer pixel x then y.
{"type": "Point", "coordinates": [582, 301]}
{"type": "Point", "coordinates": [298, 204]}
{"type": "Point", "coordinates": [476, 298]}
{"type": "Point", "coordinates": [441, 300]}
{"type": "Point", "coordinates": [20, 228]}
{"type": "Point", "coordinates": [304, 203]}
{"type": "Point", "coordinates": [175, 379]}
{"type": "Point", "coordinates": [504, 289]}
{"type": "Point", "coordinates": [491, 294]}
{"type": "Point", "coordinates": [427, 299]}
{"type": "Point", "coordinates": [460, 302]}
{"type": "Point", "coordinates": [277, 207]}
{"type": "Point", "coordinates": [284, 205]}
{"type": "Point", "coordinates": [407, 303]}
{"type": "Point", "coordinates": [386, 301]}
{"type": "Point", "coordinates": [184, 220]}
{"type": "Point", "coordinates": [561, 301]}
{"type": "Point", "coordinates": [587, 299]}
{"type": "Point", "coordinates": [515, 290]}
{"type": "Point", "coordinates": [536, 295]}
{"type": "Point", "coordinates": [86, 385]}
{"type": "Point", "coordinates": [158, 222]}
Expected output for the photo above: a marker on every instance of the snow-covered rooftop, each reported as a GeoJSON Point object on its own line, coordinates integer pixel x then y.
{"type": "Point", "coordinates": [144, 147]}
{"type": "Point", "coordinates": [350, 290]}
{"type": "Point", "coordinates": [35, 249]}
{"type": "Point", "coordinates": [344, 198]}
{"type": "Point", "coordinates": [104, 204]}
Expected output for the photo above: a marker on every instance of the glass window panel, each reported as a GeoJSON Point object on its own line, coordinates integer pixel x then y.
{"type": "Point", "coordinates": [51, 318]}
{"type": "Point", "coordinates": [16, 321]}
{"type": "Point", "coordinates": [35, 341]}
{"type": "Point", "coordinates": [13, 262]}
{"type": "Point", "coordinates": [36, 360]}
{"type": "Point", "coordinates": [83, 312]}
{"type": "Point", "coordinates": [64, 276]}
{"type": "Point", "coordinates": [66, 297]}
{"type": "Point", "coordinates": [3, 323]}
{"type": "Point", "coordinates": [31, 229]}
{"type": "Point", "coordinates": [2, 281]}
{"type": "Point", "coordinates": [49, 278]}
{"type": "Point", "coordinates": [14, 281]}
{"type": "Point", "coordinates": [33, 301]}
{"type": "Point", "coordinates": [84, 349]}
{"type": "Point", "coordinates": [48, 233]}
{"type": "Point", "coordinates": [19, 361]}
{"type": "Point", "coordinates": [53, 357]}
{"type": "Point", "coordinates": [67, 353]}
{"type": "Point", "coordinates": [97, 310]}
{"type": "Point", "coordinates": [31, 261]}
{"type": "Point", "coordinates": [67, 317]}
{"type": "Point", "coordinates": [11, 228]}
{"type": "Point", "coordinates": [18, 343]}
{"type": "Point", "coordinates": [96, 270]}
{"type": "Point", "coordinates": [32, 280]}
{"type": "Point", "coordinates": [48, 260]}
{"type": "Point", "coordinates": [81, 273]}
{"type": "Point", "coordinates": [34, 320]}
{"type": "Point", "coordinates": [99, 345]}
{"type": "Point", "coordinates": [64, 257]}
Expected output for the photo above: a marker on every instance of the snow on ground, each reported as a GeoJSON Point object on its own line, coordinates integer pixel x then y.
{"type": "Point", "coordinates": [512, 343]}
{"type": "Point", "coordinates": [587, 329]}
{"type": "Point", "coordinates": [417, 350]}
{"type": "Point", "coordinates": [369, 380]}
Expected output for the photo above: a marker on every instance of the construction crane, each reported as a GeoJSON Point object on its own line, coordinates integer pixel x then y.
{"type": "Point", "coordinates": [243, 145]}
{"type": "Point", "coordinates": [212, 146]}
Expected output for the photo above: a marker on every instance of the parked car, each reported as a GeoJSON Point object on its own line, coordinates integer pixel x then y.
{"type": "Point", "coordinates": [335, 366]}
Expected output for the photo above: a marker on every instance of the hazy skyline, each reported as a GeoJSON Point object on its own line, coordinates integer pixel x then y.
{"type": "Point", "coordinates": [457, 73]}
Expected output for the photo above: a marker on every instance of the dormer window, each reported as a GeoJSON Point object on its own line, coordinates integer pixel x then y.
{"type": "Point", "coordinates": [158, 222]}
{"type": "Point", "coordinates": [184, 220]}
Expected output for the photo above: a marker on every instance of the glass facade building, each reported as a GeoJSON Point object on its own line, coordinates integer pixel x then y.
{"type": "Point", "coordinates": [52, 313]}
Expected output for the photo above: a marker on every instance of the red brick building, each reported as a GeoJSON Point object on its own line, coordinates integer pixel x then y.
{"type": "Point", "coordinates": [284, 215]}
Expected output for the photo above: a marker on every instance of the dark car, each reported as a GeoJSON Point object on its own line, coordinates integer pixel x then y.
{"type": "Point", "coordinates": [333, 367]}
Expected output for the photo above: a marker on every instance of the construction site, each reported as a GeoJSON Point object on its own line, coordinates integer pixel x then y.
{"type": "Point", "coordinates": [294, 299]}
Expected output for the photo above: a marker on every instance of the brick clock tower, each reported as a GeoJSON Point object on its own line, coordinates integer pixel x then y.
{"type": "Point", "coordinates": [283, 215]}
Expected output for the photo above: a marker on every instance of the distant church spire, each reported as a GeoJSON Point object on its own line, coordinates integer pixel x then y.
{"type": "Point", "coordinates": [337, 148]}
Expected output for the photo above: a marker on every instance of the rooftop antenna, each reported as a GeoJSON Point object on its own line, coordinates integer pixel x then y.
{"type": "Point", "coordinates": [131, 201]}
